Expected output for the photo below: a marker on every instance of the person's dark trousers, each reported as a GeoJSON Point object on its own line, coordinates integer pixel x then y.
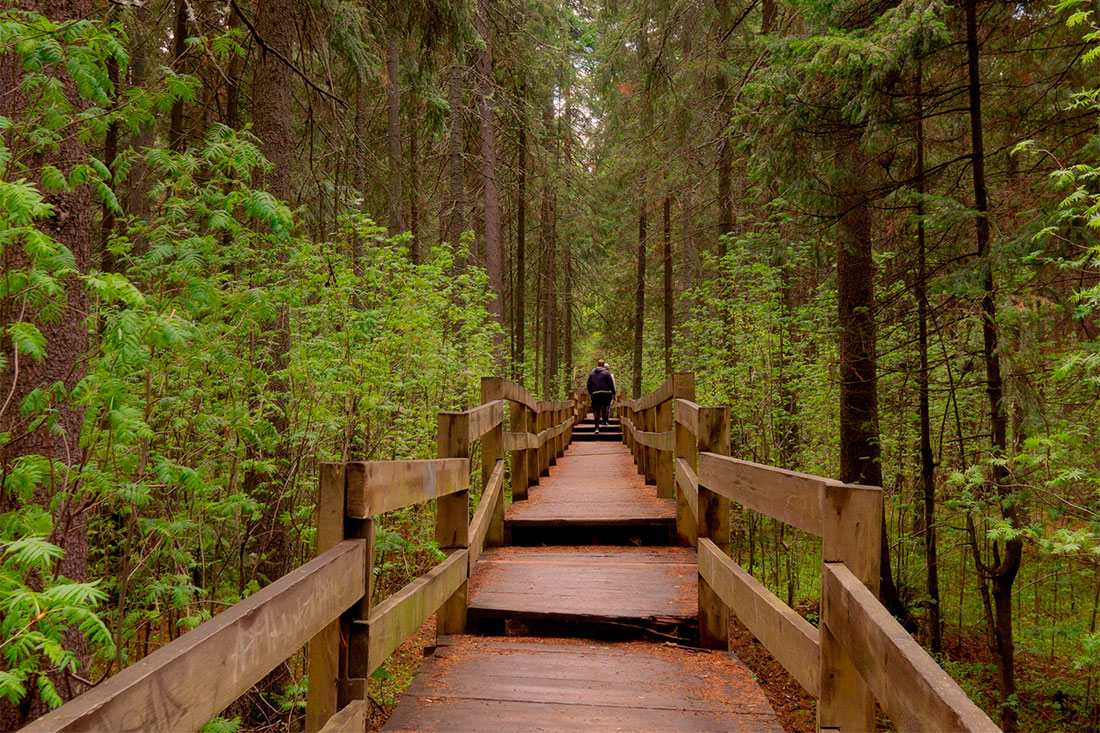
{"type": "Point", "coordinates": [601, 406]}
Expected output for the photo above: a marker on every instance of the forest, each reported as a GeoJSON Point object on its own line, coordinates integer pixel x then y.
{"type": "Point", "coordinates": [244, 237]}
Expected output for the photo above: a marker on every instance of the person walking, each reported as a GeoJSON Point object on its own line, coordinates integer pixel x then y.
{"type": "Point", "coordinates": [601, 388]}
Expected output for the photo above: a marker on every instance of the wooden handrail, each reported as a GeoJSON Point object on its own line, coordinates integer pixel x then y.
{"type": "Point", "coordinates": [376, 487]}
{"type": "Point", "coordinates": [186, 683]}
{"type": "Point", "coordinates": [861, 653]}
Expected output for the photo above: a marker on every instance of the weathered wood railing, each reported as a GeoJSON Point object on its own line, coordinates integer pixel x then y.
{"type": "Point", "coordinates": [859, 653]}
{"type": "Point", "coordinates": [328, 601]}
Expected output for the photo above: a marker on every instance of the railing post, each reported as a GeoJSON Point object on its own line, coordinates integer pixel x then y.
{"type": "Point", "coordinates": [533, 454]}
{"type": "Point", "coordinates": [687, 530]}
{"type": "Point", "coordinates": [452, 523]}
{"type": "Point", "coordinates": [666, 479]}
{"type": "Point", "coordinates": [714, 523]}
{"type": "Point", "coordinates": [492, 450]}
{"type": "Point", "coordinates": [338, 653]}
{"type": "Point", "coordinates": [851, 534]}
{"type": "Point", "coordinates": [517, 423]}
{"type": "Point", "coordinates": [650, 421]}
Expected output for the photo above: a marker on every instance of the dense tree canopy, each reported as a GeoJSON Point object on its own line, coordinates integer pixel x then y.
{"type": "Point", "coordinates": [241, 238]}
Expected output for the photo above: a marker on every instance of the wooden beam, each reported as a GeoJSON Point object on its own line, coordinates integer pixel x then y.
{"type": "Point", "coordinates": [791, 639]}
{"type": "Point", "coordinates": [375, 487]}
{"type": "Point", "coordinates": [186, 683]}
{"type": "Point", "coordinates": [686, 413]}
{"type": "Point", "coordinates": [492, 453]}
{"type": "Point", "coordinates": [352, 718]}
{"type": "Point", "coordinates": [398, 617]}
{"type": "Point", "coordinates": [912, 688]}
{"type": "Point", "coordinates": [452, 521]}
{"type": "Point", "coordinates": [520, 441]}
{"type": "Point", "coordinates": [518, 394]}
{"type": "Point", "coordinates": [688, 485]}
{"type": "Point", "coordinates": [662, 441]}
{"type": "Point", "coordinates": [484, 418]}
{"type": "Point", "coordinates": [480, 524]}
{"type": "Point", "coordinates": [792, 498]}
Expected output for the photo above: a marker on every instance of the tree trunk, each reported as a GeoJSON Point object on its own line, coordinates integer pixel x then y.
{"type": "Point", "coordinates": [176, 138]}
{"type": "Point", "coordinates": [639, 304]}
{"type": "Point", "coordinates": [521, 253]}
{"type": "Point", "coordinates": [927, 463]}
{"type": "Point", "coordinates": [1002, 573]}
{"type": "Point", "coordinates": [859, 439]}
{"type": "Point", "coordinates": [668, 282]}
{"type": "Point", "coordinates": [725, 150]}
{"type": "Point", "coordinates": [397, 224]}
{"type": "Point", "coordinates": [490, 183]}
{"type": "Point", "coordinates": [66, 345]}
{"type": "Point", "coordinates": [456, 222]}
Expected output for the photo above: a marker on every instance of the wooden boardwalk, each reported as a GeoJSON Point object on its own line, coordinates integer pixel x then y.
{"type": "Point", "coordinates": [639, 595]}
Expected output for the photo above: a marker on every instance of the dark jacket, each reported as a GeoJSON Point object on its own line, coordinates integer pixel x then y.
{"type": "Point", "coordinates": [600, 380]}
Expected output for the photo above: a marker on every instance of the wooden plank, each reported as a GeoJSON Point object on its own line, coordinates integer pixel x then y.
{"type": "Point", "coordinates": [484, 418]}
{"type": "Point", "coordinates": [656, 397]}
{"type": "Point", "coordinates": [688, 483]}
{"type": "Point", "coordinates": [792, 498]}
{"type": "Point", "coordinates": [479, 525]}
{"type": "Point", "coordinates": [714, 524]}
{"type": "Point", "coordinates": [186, 683]}
{"type": "Point", "coordinates": [396, 619]}
{"type": "Point", "coordinates": [644, 586]}
{"type": "Point", "coordinates": [789, 638]}
{"type": "Point", "coordinates": [375, 487]}
{"type": "Point", "coordinates": [517, 420]}
{"type": "Point", "coordinates": [492, 451]}
{"type": "Point", "coordinates": [352, 718]}
{"type": "Point", "coordinates": [686, 413]}
{"type": "Point", "coordinates": [520, 441]}
{"type": "Point", "coordinates": [912, 688]}
{"type": "Point", "coordinates": [518, 394]}
{"type": "Point", "coordinates": [662, 441]}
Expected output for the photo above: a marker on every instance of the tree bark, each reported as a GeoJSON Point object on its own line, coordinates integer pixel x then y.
{"type": "Point", "coordinates": [521, 253]}
{"type": "Point", "coordinates": [66, 343]}
{"type": "Point", "coordinates": [490, 182]}
{"type": "Point", "coordinates": [1002, 572]}
{"type": "Point", "coordinates": [668, 282]}
{"type": "Point", "coordinates": [176, 136]}
{"type": "Point", "coordinates": [639, 303]}
{"type": "Point", "coordinates": [456, 196]}
{"type": "Point", "coordinates": [725, 150]}
{"type": "Point", "coordinates": [927, 463]}
{"type": "Point", "coordinates": [397, 224]}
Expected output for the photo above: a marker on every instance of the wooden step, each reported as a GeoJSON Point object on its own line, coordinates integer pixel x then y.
{"type": "Point", "coordinates": [640, 591]}
{"type": "Point", "coordinates": [513, 684]}
{"type": "Point", "coordinates": [596, 488]}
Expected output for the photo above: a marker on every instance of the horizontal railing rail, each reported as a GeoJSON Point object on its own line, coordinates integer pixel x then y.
{"type": "Point", "coordinates": [859, 654]}
{"type": "Point", "coordinates": [328, 601]}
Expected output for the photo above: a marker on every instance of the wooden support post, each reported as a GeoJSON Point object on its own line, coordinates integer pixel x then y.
{"type": "Point", "coordinates": [533, 454]}
{"type": "Point", "coordinates": [666, 479]}
{"type": "Point", "coordinates": [322, 698]}
{"type": "Point", "coordinates": [714, 523]}
{"type": "Point", "coordinates": [851, 534]}
{"type": "Point", "coordinates": [544, 449]}
{"type": "Point", "coordinates": [452, 523]}
{"type": "Point", "coordinates": [554, 418]}
{"type": "Point", "coordinates": [492, 450]}
{"type": "Point", "coordinates": [687, 530]}
{"type": "Point", "coordinates": [517, 423]}
{"type": "Point", "coordinates": [650, 421]}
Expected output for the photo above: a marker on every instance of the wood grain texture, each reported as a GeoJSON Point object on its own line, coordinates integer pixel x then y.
{"type": "Point", "coordinates": [687, 483]}
{"type": "Point", "coordinates": [520, 441]}
{"type": "Point", "coordinates": [484, 418]}
{"type": "Point", "coordinates": [396, 619]}
{"type": "Point", "coordinates": [911, 687]}
{"type": "Point", "coordinates": [792, 498]}
{"type": "Point", "coordinates": [686, 413]}
{"type": "Point", "coordinates": [595, 484]}
{"type": "Point", "coordinates": [586, 584]}
{"type": "Point", "coordinates": [375, 487]}
{"type": "Point", "coordinates": [186, 683]}
{"type": "Point", "coordinates": [662, 441]}
{"type": "Point", "coordinates": [786, 635]}
{"type": "Point", "coordinates": [475, 684]}
{"type": "Point", "coordinates": [518, 394]}
{"type": "Point", "coordinates": [352, 718]}
{"type": "Point", "coordinates": [480, 524]}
